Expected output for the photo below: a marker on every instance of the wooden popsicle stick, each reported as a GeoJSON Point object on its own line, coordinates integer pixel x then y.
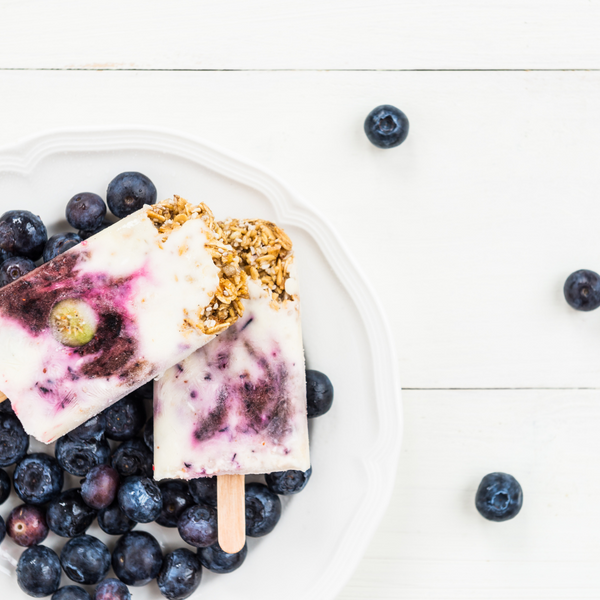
{"type": "Point", "coordinates": [231, 511]}
{"type": "Point", "coordinates": [3, 397]}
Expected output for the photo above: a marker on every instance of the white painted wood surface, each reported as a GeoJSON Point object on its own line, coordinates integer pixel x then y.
{"type": "Point", "coordinates": [467, 231]}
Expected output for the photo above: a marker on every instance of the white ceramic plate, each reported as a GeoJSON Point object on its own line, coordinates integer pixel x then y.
{"type": "Point", "coordinates": [324, 530]}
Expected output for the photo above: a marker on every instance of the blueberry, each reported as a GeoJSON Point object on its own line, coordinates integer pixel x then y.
{"type": "Point", "coordinates": [145, 392]}
{"type": "Point", "coordinates": [132, 458]}
{"type": "Point", "coordinates": [197, 525]}
{"type": "Point", "coordinates": [288, 482]}
{"type": "Point", "coordinates": [85, 559]}
{"type": "Point", "coordinates": [114, 521]}
{"type": "Point", "coordinates": [112, 589]}
{"type": "Point", "coordinates": [582, 290]}
{"type": "Point", "coordinates": [499, 497]}
{"type": "Point", "coordinates": [176, 499]}
{"type": "Point", "coordinates": [149, 434]}
{"type": "Point", "coordinates": [180, 574]}
{"type": "Point", "coordinates": [14, 442]}
{"type": "Point", "coordinates": [92, 429]}
{"type": "Point", "coordinates": [263, 510]}
{"type": "Point", "coordinates": [140, 499]}
{"type": "Point", "coordinates": [84, 235]}
{"type": "Point", "coordinates": [6, 407]}
{"type": "Point", "coordinates": [38, 478]}
{"type": "Point", "coordinates": [2, 529]}
{"type": "Point", "coordinates": [219, 561]}
{"type": "Point", "coordinates": [78, 457]}
{"type": "Point", "coordinates": [23, 234]}
{"type": "Point", "coordinates": [4, 486]}
{"type": "Point", "coordinates": [99, 488]}
{"type": "Point", "coordinates": [204, 490]}
{"type": "Point", "coordinates": [71, 592]}
{"type": "Point", "coordinates": [386, 126]}
{"type": "Point", "coordinates": [69, 515]}
{"type": "Point", "coordinates": [85, 211]}
{"type": "Point", "coordinates": [38, 571]}
{"type": "Point", "coordinates": [319, 393]}
{"type": "Point", "coordinates": [14, 268]}
{"type": "Point", "coordinates": [26, 525]}
{"type": "Point", "coordinates": [59, 243]}
{"type": "Point", "coordinates": [137, 558]}
{"type": "Point", "coordinates": [128, 192]}
{"type": "Point", "coordinates": [125, 419]}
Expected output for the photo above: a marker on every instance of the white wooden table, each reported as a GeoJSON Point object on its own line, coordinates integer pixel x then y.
{"type": "Point", "coordinates": [468, 230]}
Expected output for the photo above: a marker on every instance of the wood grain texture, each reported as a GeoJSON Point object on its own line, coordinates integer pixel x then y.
{"type": "Point", "coordinates": [308, 34]}
{"type": "Point", "coordinates": [232, 512]}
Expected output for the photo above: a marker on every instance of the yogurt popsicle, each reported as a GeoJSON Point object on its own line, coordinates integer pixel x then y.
{"type": "Point", "coordinates": [115, 311]}
{"type": "Point", "coordinates": [238, 405]}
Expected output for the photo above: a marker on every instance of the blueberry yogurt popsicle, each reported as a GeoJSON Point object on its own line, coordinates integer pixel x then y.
{"type": "Point", "coordinates": [238, 405]}
{"type": "Point", "coordinates": [81, 331]}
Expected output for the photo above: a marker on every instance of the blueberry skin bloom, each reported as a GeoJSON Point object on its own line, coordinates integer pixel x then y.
{"type": "Point", "coordinates": [204, 490]}
{"type": "Point", "coordinates": [132, 458]}
{"type": "Point", "coordinates": [85, 235]}
{"type": "Point", "coordinates": [176, 500]}
{"type": "Point", "coordinates": [114, 521]}
{"type": "Point", "coordinates": [69, 515]}
{"type": "Point", "coordinates": [23, 234]}
{"type": "Point", "coordinates": [38, 571]}
{"type": "Point", "coordinates": [85, 211]}
{"type": "Point", "coordinates": [319, 393]}
{"type": "Point", "coordinates": [140, 499]}
{"type": "Point", "coordinates": [85, 559]}
{"type": "Point", "coordinates": [137, 558]}
{"type": "Point", "coordinates": [149, 434]}
{"type": "Point", "coordinates": [112, 589]}
{"type": "Point", "coordinates": [78, 457]}
{"type": "Point", "coordinates": [263, 510]}
{"type": "Point", "coordinates": [99, 488]}
{"type": "Point", "coordinates": [4, 486]}
{"type": "Point", "coordinates": [26, 525]}
{"type": "Point", "coordinates": [386, 126]}
{"type": "Point", "coordinates": [582, 290]}
{"type": "Point", "coordinates": [180, 574]}
{"type": "Point", "coordinates": [71, 592]}
{"type": "Point", "coordinates": [14, 442]}
{"type": "Point", "coordinates": [288, 482]}
{"type": "Point", "coordinates": [91, 430]}
{"type": "Point", "coordinates": [198, 526]}
{"type": "Point", "coordinates": [59, 243]}
{"type": "Point", "coordinates": [218, 561]}
{"type": "Point", "coordinates": [13, 268]}
{"type": "Point", "coordinates": [499, 497]}
{"type": "Point", "coordinates": [128, 192]}
{"type": "Point", "coordinates": [38, 479]}
{"type": "Point", "coordinates": [125, 419]}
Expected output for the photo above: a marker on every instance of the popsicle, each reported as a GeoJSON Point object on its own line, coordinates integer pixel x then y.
{"type": "Point", "coordinates": [85, 329]}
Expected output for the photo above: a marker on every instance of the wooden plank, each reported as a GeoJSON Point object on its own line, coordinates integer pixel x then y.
{"type": "Point", "coordinates": [433, 544]}
{"type": "Point", "coordinates": [307, 34]}
{"type": "Point", "coordinates": [467, 231]}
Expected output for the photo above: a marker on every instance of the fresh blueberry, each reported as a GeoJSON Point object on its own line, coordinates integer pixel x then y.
{"type": "Point", "coordinates": [59, 243]}
{"type": "Point", "coordinates": [13, 268]}
{"type": "Point", "coordinates": [4, 486]}
{"type": "Point", "coordinates": [137, 558]}
{"type": "Point", "coordinates": [38, 479]}
{"type": "Point", "coordinates": [99, 488]}
{"type": "Point", "coordinates": [78, 457]}
{"type": "Point", "coordinates": [263, 510]}
{"type": "Point", "coordinates": [204, 490]}
{"type": "Point", "coordinates": [85, 211]}
{"type": "Point", "coordinates": [69, 515]}
{"type": "Point", "coordinates": [128, 192]}
{"type": "Point", "coordinates": [85, 559]}
{"type": "Point", "coordinates": [23, 234]}
{"type": "Point", "coordinates": [14, 442]}
{"type": "Point", "coordinates": [218, 561]}
{"type": "Point", "coordinates": [319, 393]}
{"type": "Point", "coordinates": [140, 499]}
{"type": "Point", "coordinates": [176, 499]}
{"type": "Point", "coordinates": [288, 482]}
{"type": "Point", "coordinates": [26, 525]}
{"type": "Point", "coordinates": [71, 592]}
{"type": "Point", "coordinates": [92, 429]}
{"type": "Point", "coordinates": [146, 391]}
{"type": "Point", "coordinates": [38, 571]}
{"type": "Point", "coordinates": [386, 126]}
{"type": "Point", "coordinates": [149, 434]}
{"type": "Point", "coordinates": [112, 589]}
{"type": "Point", "coordinates": [180, 574]}
{"type": "Point", "coordinates": [6, 407]}
{"type": "Point", "coordinates": [2, 529]}
{"type": "Point", "coordinates": [125, 419]}
{"type": "Point", "coordinates": [499, 497]}
{"type": "Point", "coordinates": [114, 521]}
{"type": "Point", "coordinates": [84, 235]}
{"type": "Point", "coordinates": [582, 290]}
{"type": "Point", "coordinates": [132, 458]}
{"type": "Point", "coordinates": [197, 525]}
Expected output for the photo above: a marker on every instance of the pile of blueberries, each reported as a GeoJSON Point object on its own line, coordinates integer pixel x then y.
{"type": "Point", "coordinates": [117, 486]}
